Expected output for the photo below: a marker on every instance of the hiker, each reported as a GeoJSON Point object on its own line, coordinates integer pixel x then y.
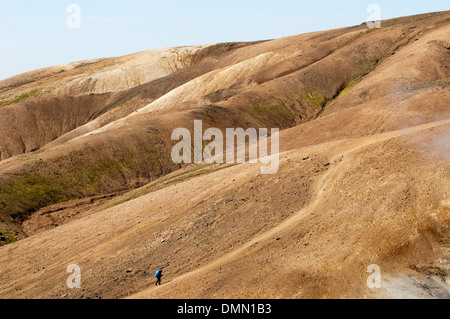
{"type": "Point", "coordinates": [158, 276]}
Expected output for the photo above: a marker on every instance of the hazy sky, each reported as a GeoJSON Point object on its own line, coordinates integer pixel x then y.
{"type": "Point", "coordinates": [35, 34]}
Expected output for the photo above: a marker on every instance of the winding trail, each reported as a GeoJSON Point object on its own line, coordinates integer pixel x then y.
{"type": "Point", "coordinates": [345, 148]}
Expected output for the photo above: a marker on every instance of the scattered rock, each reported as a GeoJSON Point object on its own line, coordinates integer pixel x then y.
{"type": "Point", "coordinates": [231, 199]}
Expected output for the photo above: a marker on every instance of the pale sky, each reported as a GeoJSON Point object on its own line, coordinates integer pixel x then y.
{"type": "Point", "coordinates": [35, 34]}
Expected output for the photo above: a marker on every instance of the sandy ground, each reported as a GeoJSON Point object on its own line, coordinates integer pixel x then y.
{"type": "Point", "coordinates": [363, 179]}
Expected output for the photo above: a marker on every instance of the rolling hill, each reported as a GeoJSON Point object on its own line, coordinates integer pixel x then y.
{"type": "Point", "coordinates": [86, 175]}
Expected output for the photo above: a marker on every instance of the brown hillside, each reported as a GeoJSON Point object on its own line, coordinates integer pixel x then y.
{"type": "Point", "coordinates": [86, 175]}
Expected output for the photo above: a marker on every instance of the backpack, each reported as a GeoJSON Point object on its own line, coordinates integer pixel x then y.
{"type": "Point", "coordinates": [157, 273]}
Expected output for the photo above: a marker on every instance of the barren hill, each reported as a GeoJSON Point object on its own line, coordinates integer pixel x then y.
{"type": "Point", "coordinates": [86, 175]}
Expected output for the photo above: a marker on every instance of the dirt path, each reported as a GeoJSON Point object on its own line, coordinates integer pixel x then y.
{"type": "Point", "coordinates": [345, 148]}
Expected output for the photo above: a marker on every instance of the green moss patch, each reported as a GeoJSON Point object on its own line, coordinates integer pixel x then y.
{"type": "Point", "coordinates": [270, 109]}
{"type": "Point", "coordinates": [316, 102]}
{"type": "Point", "coordinates": [22, 97]}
